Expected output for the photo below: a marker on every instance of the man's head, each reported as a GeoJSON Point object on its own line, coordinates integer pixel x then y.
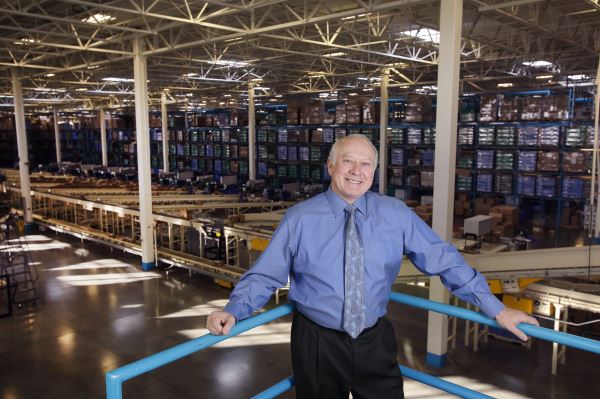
{"type": "Point", "coordinates": [352, 162]}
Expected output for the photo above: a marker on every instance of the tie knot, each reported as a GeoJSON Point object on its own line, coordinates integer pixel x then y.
{"type": "Point", "coordinates": [350, 209]}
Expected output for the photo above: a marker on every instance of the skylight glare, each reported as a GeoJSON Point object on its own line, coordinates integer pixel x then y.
{"type": "Point", "coordinates": [538, 64]}
{"type": "Point", "coordinates": [99, 19]}
{"type": "Point", "coordinates": [424, 34]}
{"type": "Point", "coordinates": [118, 80]}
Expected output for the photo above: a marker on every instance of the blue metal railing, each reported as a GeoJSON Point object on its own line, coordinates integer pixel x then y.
{"type": "Point", "coordinates": [116, 378]}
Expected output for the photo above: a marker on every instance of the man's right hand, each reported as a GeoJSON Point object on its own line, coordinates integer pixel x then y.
{"type": "Point", "coordinates": [220, 322]}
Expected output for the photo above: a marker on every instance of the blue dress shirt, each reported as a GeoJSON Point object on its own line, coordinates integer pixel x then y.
{"type": "Point", "coordinates": [308, 246]}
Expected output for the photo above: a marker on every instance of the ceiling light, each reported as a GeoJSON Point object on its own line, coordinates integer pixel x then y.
{"type": "Point", "coordinates": [49, 75]}
{"type": "Point", "coordinates": [541, 77]}
{"type": "Point", "coordinates": [505, 84]}
{"type": "Point", "coordinates": [189, 75]}
{"type": "Point", "coordinates": [81, 89]}
{"type": "Point", "coordinates": [353, 94]}
{"type": "Point", "coordinates": [539, 63]}
{"type": "Point", "coordinates": [99, 19]}
{"type": "Point", "coordinates": [230, 63]}
{"type": "Point", "coordinates": [93, 67]}
{"type": "Point", "coordinates": [117, 80]}
{"type": "Point", "coordinates": [26, 40]}
{"type": "Point", "coordinates": [579, 77]}
{"type": "Point", "coordinates": [338, 54]}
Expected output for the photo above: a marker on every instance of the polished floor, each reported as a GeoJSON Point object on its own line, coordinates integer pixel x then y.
{"type": "Point", "coordinates": [101, 311]}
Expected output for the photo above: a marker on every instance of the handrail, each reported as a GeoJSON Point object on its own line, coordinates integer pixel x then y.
{"type": "Point", "coordinates": [574, 341]}
{"type": "Point", "coordinates": [115, 378]}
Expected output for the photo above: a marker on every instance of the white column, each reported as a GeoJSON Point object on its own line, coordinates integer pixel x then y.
{"type": "Point", "coordinates": [57, 136]}
{"type": "Point", "coordinates": [596, 229]}
{"type": "Point", "coordinates": [445, 159]}
{"type": "Point", "coordinates": [383, 124]}
{"type": "Point", "coordinates": [165, 131]}
{"type": "Point", "coordinates": [251, 134]}
{"type": "Point", "coordinates": [143, 154]}
{"type": "Point", "coordinates": [22, 149]}
{"type": "Point", "coordinates": [103, 140]}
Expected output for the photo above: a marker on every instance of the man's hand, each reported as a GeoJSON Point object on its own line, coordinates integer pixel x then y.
{"type": "Point", "coordinates": [220, 322]}
{"type": "Point", "coordinates": [510, 318]}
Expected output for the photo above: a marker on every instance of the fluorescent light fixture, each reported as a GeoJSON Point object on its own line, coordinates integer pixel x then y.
{"type": "Point", "coordinates": [355, 16]}
{"type": "Point", "coordinates": [230, 63]}
{"type": "Point", "coordinates": [541, 77]}
{"type": "Point", "coordinates": [505, 84]}
{"type": "Point", "coordinates": [338, 54]}
{"type": "Point", "coordinates": [118, 80]}
{"type": "Point", "coordinates": [233, 40]}
{"type": "Point", "coordinates": [81, 89]}
{"type": "Point", "coordinates": [93, 67]}
{"type": "Point", "coordinates": [189, 75]}
{"type": "Point", "coordinates": [424, 34]}
{"type": "Point", "coordinates": [99, 19]}
{"type": "Point", "coordinates": [279, 96]}
{"type": "Point", "coordinates": [26, 40]}
{"type": "Point", "coordinates": [226, 95]}
{"type": "Point", "coordinates": [579, 76]}
{"type": "Point", "coordinates": [538, 64]}
{"type": "Point", "coordinates": [353, 94]}
{"type": "Point", "coordinates": [49, 75]}
{"type": "Point", "coordinates": [49, 90]}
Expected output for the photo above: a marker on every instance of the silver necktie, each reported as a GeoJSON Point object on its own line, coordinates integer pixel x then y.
{"type": "Point", "coordinates": [354, 278]}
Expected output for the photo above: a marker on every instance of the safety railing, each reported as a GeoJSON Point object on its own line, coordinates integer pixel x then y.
{"type": "Point", "coordinates": [116, 378]}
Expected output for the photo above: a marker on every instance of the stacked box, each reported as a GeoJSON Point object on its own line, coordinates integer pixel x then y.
{"type": "Point", "coordinates": [418, 108]}
{"type": "Point", "coordinates": [576, 162]}
{"type": "Point", "coordinates": [488, 108]}
{"type": "Point", "coordinates": [485, 159]}
{"type": "Point", "coordinates": [508, 218]}
{"type": "Point", "coordinates": [462, 206]}
{"type": "Point", "coordinates": [243, 167]}
{"type": "Point", "coordinates": [397, 156]}
{"type": "Point", "coordinates": [528, 135]}
{"type": "Point", "coordinates": [485, 182]}
{"type": "Point", "coordinates": [316, 136]}
{"type": "Point", "coordinates": [282, 170]}
{"type": "Point", "coordinates": [396, 176]}
{"type": "Point", "coordinates": [339, 133]}
{"type": "Point", "coordinates": [315, 153]}
{"type": "Point", "coordinates": [293, 113]}
{"type": "Point", "coordinates": [233, 150]}
{"type": "Point", "coordinates": [302, 135]}
{"type": "Point", "coordinates": [464, 182]}
{"type": "Point", "coordinates": [573, 187]}
{"type": "Point", "coordinates": [555, 108]}
{"type": "Point", "coordinates": [304, 153]}
{"type": "Point", "coordinates": [292, 153]}
{"type": "Point", "coordinates": [527, 161]}
{"type": "Point", "coordinates": [413, 180]}
{"type": "Point", "coordinates": [483, 205]}
{"type": "Point", "coordinates": [526, 185]}
{"type": "Point", "coordinates": [414, 136]}
{"type": "Point", "coordinates": [368, 113]}
{"type": "Point", "coordinates": [425, 212]}
{"type": "Point", "coordinates": [545, 186]}
{"type": "Point", "coordinates": [429, 136]}
{"type": "Point", "coordinates": [282, 152]}
{"type": "Point", "coordinates": [590, 136]}
{"type": "Point", "coordinates": [312, 112]}
{"type": "Point", "coordinates": [304, 171]}
{"type": "Point", "coordinates": [508, 108]}
{"type": "Point", "coordinates": [427, 178]}
{"type": "Point", "coordinates": [261, 135]}
{"type": "Point", "coordinates": [583, 111]}
{"type": "Point", "coordinates": [505, 135]}
{"type": "Point", "coordinates": [396, 135]}
{"type": "Point", "coordinates": [486, 135]}
{"type": "Point", "coordinates": [428, 157]}
{"type": "Point", "coordinates": [548, 161]}
{"type": "Point", "coordinates": [465, 135]}
{"type": "Point", "coordinates": [328, 135]}
{"type": "Point", "coordinates": [315, 173]}
{"type": "Point", "coordinates": [549, 136]}
{"type": "Point", "coordinates": [282, 136]}
{"type": "Point", "coordinates": [370, 133]}
{"type": "Point", "coordinates": [532, 108]}
{"type": "Point", "coordinates": [261, 152]}
{"type": "Point", "coordinates": [243, 152]}
{"type": "Point", "coordinates": [353, 110]}
{"type": "Point", "coordinates": [504, 160]}
{"type": "Point", "coordinates": [575, 136]}
{"type": "Point", "coordinates": [262, 169]}
{"type": "Point", "coordinates": [504, 184]}
{"type": "Point", "coordinates": [340, 114]}
{"type": "Point", "coordinates": [465, 160]}
{"type": "Point", "coordinates": [328, 116]}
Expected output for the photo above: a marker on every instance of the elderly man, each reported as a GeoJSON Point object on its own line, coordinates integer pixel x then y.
{"type": "Point", "coordinates": [342, 251]}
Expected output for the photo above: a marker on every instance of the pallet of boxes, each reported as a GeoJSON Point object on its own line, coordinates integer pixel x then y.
{"type": "Point", "coordinates": [505, 221]}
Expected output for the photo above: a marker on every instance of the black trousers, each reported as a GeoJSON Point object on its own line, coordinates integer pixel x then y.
{"type": "Point", "coordinates": [329, 364]}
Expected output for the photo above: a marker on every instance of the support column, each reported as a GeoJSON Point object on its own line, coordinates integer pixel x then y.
{"type": "Point", "coordinates": [445, 160]}
{"type": "Point", "coordinates": [383, 124]}
{"type": "Point", "coordinates": [165, 131]}
{"type": "Point", "coordinates": [57, 136]}
{"type": "Point", "coordinates": [595, 230]}
{"type": "Point", "coordinates": [103, 140]}
{"type": "Point", "coordinates": [22, 149]}
{"type": "Point", "coordinates": [143, 154]}
{"type": "Point", "coordinates": [251, 134]}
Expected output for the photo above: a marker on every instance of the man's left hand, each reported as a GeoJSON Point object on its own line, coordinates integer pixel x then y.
{"type": "Point", "coordinates": [510, 318]}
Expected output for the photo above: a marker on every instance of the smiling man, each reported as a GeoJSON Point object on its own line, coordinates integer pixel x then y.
{"type": "Point", "coordinates": [342, 251]}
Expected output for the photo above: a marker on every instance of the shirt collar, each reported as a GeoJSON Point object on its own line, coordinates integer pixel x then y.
{"type": "Point", "coordinates": [337, 204]}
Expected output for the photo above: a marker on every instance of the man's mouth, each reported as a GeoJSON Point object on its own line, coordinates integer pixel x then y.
{"type": "Point", "coordinates": [353, 181]}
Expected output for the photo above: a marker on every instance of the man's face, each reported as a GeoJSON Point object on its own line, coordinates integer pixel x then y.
{"type": "Point", "coordinates": [353, 170]}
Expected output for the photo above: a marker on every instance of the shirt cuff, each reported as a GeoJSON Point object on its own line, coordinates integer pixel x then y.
{"type": "Point", "coordinates": [491, 306]}
{"type": "Point", "coordinates": [235, 309]}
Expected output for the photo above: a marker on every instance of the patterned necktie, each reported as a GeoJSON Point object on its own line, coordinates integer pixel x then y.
{"type": "Point", "coordinates": [354, 278]}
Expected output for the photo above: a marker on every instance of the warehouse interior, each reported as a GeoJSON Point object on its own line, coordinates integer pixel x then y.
{"type": "Point", "coordinates": [116, 245]}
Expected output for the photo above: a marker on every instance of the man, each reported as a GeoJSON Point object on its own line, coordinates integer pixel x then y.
{"type": "Point", "coordinates": [342, 251]}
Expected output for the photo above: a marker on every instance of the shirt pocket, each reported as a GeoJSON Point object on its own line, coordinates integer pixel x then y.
{"type": "Point", "coordinates": [382, 254]}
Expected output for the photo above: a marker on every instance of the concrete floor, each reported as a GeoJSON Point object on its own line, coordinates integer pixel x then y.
{"type": "Point", "coordinates": [101, 311]}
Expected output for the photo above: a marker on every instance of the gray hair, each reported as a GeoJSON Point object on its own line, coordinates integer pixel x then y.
{"type": "Point", "coordinates": [335, 148]}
